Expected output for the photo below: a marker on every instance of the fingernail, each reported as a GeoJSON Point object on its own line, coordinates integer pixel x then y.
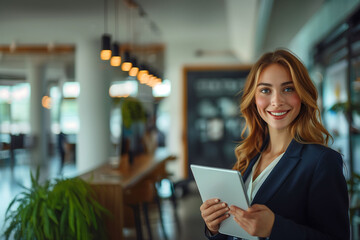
{"type": "Point", "coordinates": [217, 200]}
{"type": "Point", "coordinates": [224, 204]}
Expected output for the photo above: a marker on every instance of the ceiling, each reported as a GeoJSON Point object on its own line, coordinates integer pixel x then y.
{"type": "Point", "coordinates": [244, 27]}
{"type": "Point", "coordinates": [249, 26]}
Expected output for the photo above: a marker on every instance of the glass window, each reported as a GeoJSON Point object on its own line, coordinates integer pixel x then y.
{"type": "Point", "coordinates": [335, 96]}
{"type": "Point", "coordinates": [69, 120]}
{"type": "Point", "coordinates": [20, 109]}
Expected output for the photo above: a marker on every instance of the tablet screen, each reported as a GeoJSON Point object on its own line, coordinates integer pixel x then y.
{"type": "Point", "coordinates": [228, 186]}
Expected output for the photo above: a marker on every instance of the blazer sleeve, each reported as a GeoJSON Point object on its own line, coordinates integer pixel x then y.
{"type": "Point", "coordinates": [218, 236]}
{"type": "Point", "coordinates": [328, 205]}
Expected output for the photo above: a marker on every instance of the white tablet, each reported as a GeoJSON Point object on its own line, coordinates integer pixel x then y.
{"type": "Point", "coordinates": [228, 186]}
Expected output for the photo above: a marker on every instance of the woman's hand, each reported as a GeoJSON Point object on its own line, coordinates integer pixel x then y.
{"type": "Point", "coordinates": [258, 220]}
{"type": "Point", "coordinates": [214, 212]}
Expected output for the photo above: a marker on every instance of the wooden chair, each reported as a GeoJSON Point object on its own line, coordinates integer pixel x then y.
{"type": "Point", "coordinates": [157, 178]}
{"type": "Point", "coordinates": [137, 198]}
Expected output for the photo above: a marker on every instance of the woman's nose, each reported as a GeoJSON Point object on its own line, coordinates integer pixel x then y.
{"type": "Point", "coordinates": [277, 99]}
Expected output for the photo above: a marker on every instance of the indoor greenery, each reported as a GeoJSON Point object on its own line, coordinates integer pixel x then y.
{"type": "Point", "coordinates": [132, 111]}
{"type": "Point", "coordinates": [61, 209]}
{"type": "Point", "coordinates": [345, 107]}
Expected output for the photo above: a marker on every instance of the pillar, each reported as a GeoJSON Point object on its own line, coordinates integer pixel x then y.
{"type": "Point", "coordinates": [93, 139]}
{"type": "Point", "coordinates": [37, 112]}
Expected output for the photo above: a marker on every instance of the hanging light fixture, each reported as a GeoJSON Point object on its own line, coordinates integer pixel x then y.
{"type": "Point", "coordinates": [126, 65]}
{"type": "Point", "coordinates": [151, 81]}
{"type": "Point", "coordinates": [134, 69]}
{"type": "Point", "coordinates": [142, 73]}
{"type": "Point", "coordinates": [105, 53]}
{"type": "Point", "coordinates": [115, 60]}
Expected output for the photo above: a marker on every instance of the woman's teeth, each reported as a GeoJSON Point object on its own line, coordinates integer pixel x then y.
{"type": "Point", "coordinates": [278, 113]}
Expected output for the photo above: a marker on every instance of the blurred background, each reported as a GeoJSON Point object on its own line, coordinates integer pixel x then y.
{"type": "Point", "coordinates": [68, 106]}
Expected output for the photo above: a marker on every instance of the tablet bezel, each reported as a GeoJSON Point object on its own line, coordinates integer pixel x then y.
{"type": "Point", "coordinates": [222, 184]}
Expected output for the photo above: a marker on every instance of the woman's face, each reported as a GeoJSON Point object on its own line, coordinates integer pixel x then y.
{"type": "Point", "coordinates": [276, 99]}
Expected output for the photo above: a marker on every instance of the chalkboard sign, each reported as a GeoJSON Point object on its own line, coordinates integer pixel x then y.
{"type": "Point", "coordinates": [212, 115]}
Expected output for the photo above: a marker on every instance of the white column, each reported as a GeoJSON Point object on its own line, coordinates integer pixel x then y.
{"type": "Point", "coordinates": [37, 120]}
{"type": "Point", "coordinates": [93, 140]}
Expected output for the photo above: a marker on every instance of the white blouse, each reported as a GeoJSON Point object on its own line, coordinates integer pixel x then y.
{"type": "Point", "coordinates": [252, 187]}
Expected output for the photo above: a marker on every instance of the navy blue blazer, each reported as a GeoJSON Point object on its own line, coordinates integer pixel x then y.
{"type": "Point", "coordinates": [307, 192]}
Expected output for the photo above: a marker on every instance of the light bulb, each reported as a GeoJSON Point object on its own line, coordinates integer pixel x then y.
{"type": "Point", "coordinates": [133, 71]}
{"type": "Point", "coordinates": [105, 54]}
{"type": "Point", "coordinates": [115, 61]}
{"type": "Point", "coordinates": [126, 66]}
{"type": "Point", "coordinates": [144, 78]}
{"type": "Point", "coordinates": [140, 75]}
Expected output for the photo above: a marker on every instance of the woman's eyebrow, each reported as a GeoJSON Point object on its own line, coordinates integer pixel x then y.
{"type": "Point", "coordinates": [265, 84]}
{"type": "Point", "coordinates": [269, 85]}
{"type": "Point", "coordinates": [287, 83]}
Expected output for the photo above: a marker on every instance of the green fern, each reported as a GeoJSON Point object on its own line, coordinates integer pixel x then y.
{"type": "Point", "coordinates": [63, 209]}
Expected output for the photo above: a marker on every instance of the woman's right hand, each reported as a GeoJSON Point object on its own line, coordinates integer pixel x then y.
{"type": "Point", "coordinates": [214, 212]}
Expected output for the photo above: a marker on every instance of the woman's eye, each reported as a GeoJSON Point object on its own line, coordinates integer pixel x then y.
{"type": "Point", "coordinates": [265, 90]}
{"type": "Point", "coordinates": [289, 89]}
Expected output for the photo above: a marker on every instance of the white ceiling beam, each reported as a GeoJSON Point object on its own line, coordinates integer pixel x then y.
{"type": "Point", "coordinates": [242, 17]}
{"type": "Point", "coordinates": [265, 9]}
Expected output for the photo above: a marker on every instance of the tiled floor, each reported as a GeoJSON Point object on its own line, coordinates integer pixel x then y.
{"type": "Point", "coordinates": [190, 227]}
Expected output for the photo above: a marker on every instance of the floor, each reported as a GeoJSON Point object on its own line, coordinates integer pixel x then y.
{"type": "Point", "coordinates": [190, 223]}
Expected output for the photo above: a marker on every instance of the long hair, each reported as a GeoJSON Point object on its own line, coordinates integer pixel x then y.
{"type": "Point", "coordinates": [306, 127]}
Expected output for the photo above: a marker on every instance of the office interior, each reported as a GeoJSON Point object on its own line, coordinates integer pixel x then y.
{"type": "Point", "coordinates": [62, 106]}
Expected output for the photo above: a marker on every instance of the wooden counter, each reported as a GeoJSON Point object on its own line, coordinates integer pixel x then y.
{"type": "Point", "coordinates": [110, 184]}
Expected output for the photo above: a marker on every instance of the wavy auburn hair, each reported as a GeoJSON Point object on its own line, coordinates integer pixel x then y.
{"type": "Point", "coordinates": [306, 127]}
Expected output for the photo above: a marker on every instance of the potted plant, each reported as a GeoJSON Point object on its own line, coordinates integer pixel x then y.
{"type": "Point", "coordinates": [62, 209]}
{"type": "Point", "coordinates": [133, 116]}
{"type": "Point", "coordinates": [132, 111]}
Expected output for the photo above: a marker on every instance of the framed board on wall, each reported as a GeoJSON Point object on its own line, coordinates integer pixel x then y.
{"type": "Point", "coordinates": [212, 122]}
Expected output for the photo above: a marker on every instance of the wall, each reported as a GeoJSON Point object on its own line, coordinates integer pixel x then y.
{"type": "Point", "coordinates": [178, 55]}
{"type": "Point", "coordinates": [328, 17]}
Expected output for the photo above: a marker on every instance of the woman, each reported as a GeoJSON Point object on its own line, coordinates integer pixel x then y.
{"type": "Point", "coordinates": [294, 182]}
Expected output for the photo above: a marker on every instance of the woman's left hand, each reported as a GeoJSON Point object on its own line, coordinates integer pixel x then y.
{"type": "Point", "coordinates": [258, 220]}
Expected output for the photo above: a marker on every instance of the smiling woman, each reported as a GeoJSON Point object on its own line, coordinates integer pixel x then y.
{"type": "Point", "coordinates": [276, 99]}
{"type": "Point", "coordinates": [291, 177]}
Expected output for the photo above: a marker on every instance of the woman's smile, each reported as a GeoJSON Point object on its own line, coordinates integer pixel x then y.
{"type": "Point", "coordinates": [278, 113]}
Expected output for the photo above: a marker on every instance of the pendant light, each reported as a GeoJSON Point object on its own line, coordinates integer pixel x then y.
{"type": "Point", "coordinates": [134, 69]}
{"type": "Point", "coordinates": [116, 59]}
{"type": "Point", "coordinates": [142, 74]}
{"type": "Point", "coordinates": [105, 53]}
{"type": "Point", "coordinates": [126, 65]}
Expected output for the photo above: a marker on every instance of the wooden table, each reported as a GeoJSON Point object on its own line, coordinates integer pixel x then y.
{"type": "Point", "coordinates": [110, 184]}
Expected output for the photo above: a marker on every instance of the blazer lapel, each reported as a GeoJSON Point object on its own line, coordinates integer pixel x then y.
{"type": "Point", "coordinates": [249, 168]}
{"type": "Point", "coordinates": [253, 161]}
{"type": "Point", "coordinates": [280, 172]}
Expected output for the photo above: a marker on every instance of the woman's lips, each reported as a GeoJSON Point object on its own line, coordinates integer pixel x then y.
{"type": "Point", "coordinates": [278, 114]}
